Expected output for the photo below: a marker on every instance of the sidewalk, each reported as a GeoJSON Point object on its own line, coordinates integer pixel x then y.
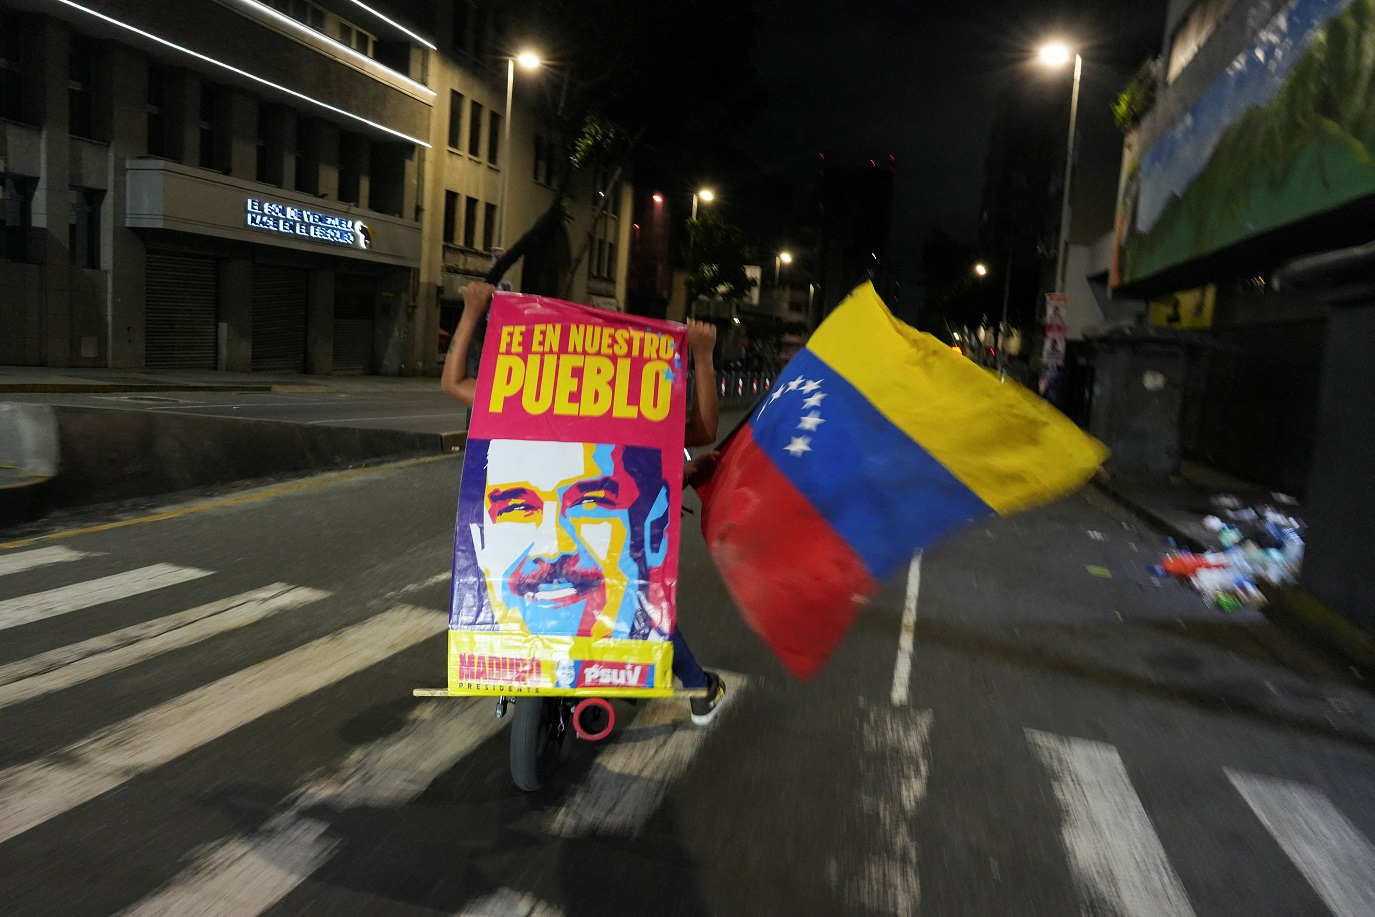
{"type": "Point", "coordinates": [1176, 505]}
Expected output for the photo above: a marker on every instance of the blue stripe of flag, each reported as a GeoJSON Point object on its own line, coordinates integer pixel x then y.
{"type": "Point", "coordinates": [880, 490]}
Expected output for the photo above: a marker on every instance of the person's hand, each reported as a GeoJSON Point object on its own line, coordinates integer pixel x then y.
{"type": "Point", "coordinates": [477, 299]}
{"type": "Point", "coordinates": [701, 338]}
{"type": "Point", "coordinates": [699, 469]}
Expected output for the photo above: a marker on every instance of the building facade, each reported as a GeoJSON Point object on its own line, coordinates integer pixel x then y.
{"type": "Point", "coordinates": [237, 185]}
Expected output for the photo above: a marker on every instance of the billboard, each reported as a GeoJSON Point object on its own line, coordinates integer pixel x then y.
{"type": "Point", "coordinates": [1287, 131]}
{"type": "Point", "coordinates": [566, 542]}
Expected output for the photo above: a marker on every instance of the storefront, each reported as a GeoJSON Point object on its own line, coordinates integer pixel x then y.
{"type": "Point", "coordinates": [244, 277]}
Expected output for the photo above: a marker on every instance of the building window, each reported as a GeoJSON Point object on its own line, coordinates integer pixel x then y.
{"type": "Point", "coordinates": [80, 78]}
{"type": "Point", "coordinates": [351, 148]}
{"type": "Point", "coordinates": [209, 127]}
{"type": "Point", "coordinates": [475, 130]}
{"type": "Point", "coordinates": [470, 222]}
{"type": "Point", "coordinates": [11, 71]}
{"type": "Point", "coordinates": [271, 145]}
{"type": "Point", "coordinates": [83, 227]}
{"type": "Point", "coordinates": [611, 259]}
{"type": "Point", "coordinates": [489, 226]}
{"type": "Point", "coordinates": [156, 141]}
{"type": "Point", "coordinates": [355, 38]}
{"type": "Point", "coordinates": [16, 217]}
{"type": "Point", "coordinates": [450, 216]}
{"type": "Point", "coordinates": [455, 120]}
{"type": "Point", "coordinates": [493, 137]}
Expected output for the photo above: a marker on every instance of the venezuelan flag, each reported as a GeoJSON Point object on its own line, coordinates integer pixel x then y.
{"type": "Point", "coordinates": [876, 441]}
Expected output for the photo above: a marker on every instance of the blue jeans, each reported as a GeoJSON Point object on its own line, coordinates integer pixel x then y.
{"type": "Point", "coordinates": [685, 667]}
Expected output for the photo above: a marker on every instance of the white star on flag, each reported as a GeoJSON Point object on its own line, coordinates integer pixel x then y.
{"type": "Point", "coordinates": [798, 446]}
{"type": "Point", "coordinates": [795, 384]}
{"type": "Point", "coordinates": [811, 386]}
{"type": "Point", "coordinates": [814, 401]}
{"type": "Point", "coordinates": [810, 422]}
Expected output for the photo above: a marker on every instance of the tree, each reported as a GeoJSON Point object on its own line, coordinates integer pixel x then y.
{"type": "Point", "coordinates": [623, 82]}
{"type": "Point", "coordinates": [716, 255]}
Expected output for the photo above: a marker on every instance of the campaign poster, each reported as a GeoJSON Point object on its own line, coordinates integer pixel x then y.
{"type": "Point", "coordinates": [566, 543]}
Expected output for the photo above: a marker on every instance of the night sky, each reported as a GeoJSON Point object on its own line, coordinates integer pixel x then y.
{"type": "Point", "coordinates": [862, 79]}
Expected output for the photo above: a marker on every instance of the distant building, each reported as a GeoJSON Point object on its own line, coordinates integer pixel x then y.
{"type": "Point", "coordinates": [854, 213]}
{"type": "Point", "coordinates": [288, 185]}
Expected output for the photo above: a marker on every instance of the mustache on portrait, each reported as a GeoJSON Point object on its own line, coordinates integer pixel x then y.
{"type": "Point", "coordinates": [536, 571]}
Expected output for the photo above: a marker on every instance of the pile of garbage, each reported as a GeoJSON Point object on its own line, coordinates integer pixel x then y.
{"type": "Point", "coordinates": [1260, 544]}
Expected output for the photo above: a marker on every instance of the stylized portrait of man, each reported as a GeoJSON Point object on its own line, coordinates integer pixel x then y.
{"type": "Point", "coordinates": [569, 538]}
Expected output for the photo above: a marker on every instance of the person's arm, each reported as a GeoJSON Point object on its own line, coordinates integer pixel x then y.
{"type": "Point", "coordinates": [706, 408]}
{"type": "Point", "coordinates": [457, 384]}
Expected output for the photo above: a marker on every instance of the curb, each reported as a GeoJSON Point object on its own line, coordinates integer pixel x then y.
{"type": "Point", "coordinates": [100, 388]}
{"type": "Point", "coordinates": [1288, 606]}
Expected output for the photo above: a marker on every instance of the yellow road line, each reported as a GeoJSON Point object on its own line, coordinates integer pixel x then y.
{"type": "Point", "coordinates": [329, 478]}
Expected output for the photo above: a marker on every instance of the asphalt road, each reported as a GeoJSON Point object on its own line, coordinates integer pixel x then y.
{"type": "Point", "coordinates": [210, 713]}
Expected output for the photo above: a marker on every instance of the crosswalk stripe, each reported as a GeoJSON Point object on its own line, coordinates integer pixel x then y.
{"type": "Point", "coordinates": [34, 792]}
{"type": "Point", "coordinates": [43, 557]}
{"type": "Point", "coordinates": [250, 873]}
{"type": "Point", "coordinates": [78, 662]}
{"type": "Point", "coordinates": [1335, 858]}
{"type": "Point", "coordinates": [892, 786]}
{"type": "Point", "coordinates": [507, 903]}
{"type": "Point", "coordinates": [39, 605]}
{"type": "Point", "coordinates": [628, 781]}
{"type": "Point", "coordinates": [1114, 852]}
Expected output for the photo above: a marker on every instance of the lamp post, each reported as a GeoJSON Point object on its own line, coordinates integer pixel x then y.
{"type": "Point", "coordinates": [530, 61]}
{"type": "Point", "coordinates": [705, 194]}
{"type": "Point", "coordinates": [779, 260]}
{"type": "Point", "coordinates": [1057, 54]}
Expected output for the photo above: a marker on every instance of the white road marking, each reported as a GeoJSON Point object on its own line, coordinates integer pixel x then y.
{"type": "Point", "coordinates": [29, 560]}
{"type": "Point", "coordinates": [34, 792]}
{"type": "Point", "coordinates": [39, 605]}
{"type": "Point", "coordinates": [250, 873]}
{"type": "Point", "coordinates": [1115, 855]}
{"type": "Point", "coordinates": [1335, 858]}
{"type": "Point", "coordinates": [902, 669]}
{"type": "Point", "coordinates": [78, 662]}
{"type": "Point", "coordinates": [628, 781]}
{"type": "Point", "coordinates": [895, 766]}
{"type": "Point", "coordinates": [507, 903]}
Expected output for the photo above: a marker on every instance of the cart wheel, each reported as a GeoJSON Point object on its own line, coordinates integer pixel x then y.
{"type": "Point", "coordinates": [537, 731]}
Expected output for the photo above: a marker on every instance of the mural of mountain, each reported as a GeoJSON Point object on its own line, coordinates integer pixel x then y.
{"type": "Point", "coordinates": [1307, 150]}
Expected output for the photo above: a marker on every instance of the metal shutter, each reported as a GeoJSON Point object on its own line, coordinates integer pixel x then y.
{"type": "Point", "coordinates": [355, 301]}
{"type": "Point", "coordinates": [180, 296]}
{"type": "Point", "coordinates": [279, 318]}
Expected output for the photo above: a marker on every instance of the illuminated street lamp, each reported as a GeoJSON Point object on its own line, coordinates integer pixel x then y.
{"type": "Point", "coordinates": [981, 269]}
{"type": "Point", "coordinates": [529, 60]}
{"type": "Point", "coordinates": [705, 195]}
{"type": "Point", "coordinates": [779, 260]}
{"type": "Point", "coordinates": [1057, 54]}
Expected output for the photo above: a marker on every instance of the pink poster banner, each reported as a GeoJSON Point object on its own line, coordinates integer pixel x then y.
{"type": "Point", "coordinates": [566, 541]}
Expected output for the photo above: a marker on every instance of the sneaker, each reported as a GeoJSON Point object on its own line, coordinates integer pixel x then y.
{"type": "Point", "coordinates": [704, 709]}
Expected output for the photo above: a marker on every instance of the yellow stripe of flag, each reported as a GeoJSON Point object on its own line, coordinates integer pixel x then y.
{"type": "Point", "coordinates": [1004, 443]}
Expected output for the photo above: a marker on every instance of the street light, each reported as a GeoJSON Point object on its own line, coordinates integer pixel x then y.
{"type": "Point", "coordinates": [1057, 54]}
{"type": "Point", "coordinates": [981, 269]}
{"type": "Point", "coordinates": [530, 61]}
{"type": "Point", "coordinates": [705, 195]}
{"type": "Point", "coordinates": [779, 260]}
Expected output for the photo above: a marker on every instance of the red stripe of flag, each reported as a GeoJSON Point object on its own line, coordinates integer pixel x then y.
{"type": "Point", "coordinates": [797, 583]}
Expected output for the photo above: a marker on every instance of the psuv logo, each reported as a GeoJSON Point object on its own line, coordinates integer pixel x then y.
{"type": "Point", "coordinates": [615, 675]}
{"type": "Point", "coordinates": [364, 234]}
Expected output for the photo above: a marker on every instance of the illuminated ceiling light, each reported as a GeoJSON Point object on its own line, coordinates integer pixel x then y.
{"type": "Point", "coordinates": [244, 73]}
{"type": "Point", "coordinates": [335, 45]}
{"type": "Point", "coordinates": [394, 24]}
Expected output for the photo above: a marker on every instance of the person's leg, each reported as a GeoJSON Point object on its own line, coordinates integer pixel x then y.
{"type": "Point", "coordinates": [685, 667]}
